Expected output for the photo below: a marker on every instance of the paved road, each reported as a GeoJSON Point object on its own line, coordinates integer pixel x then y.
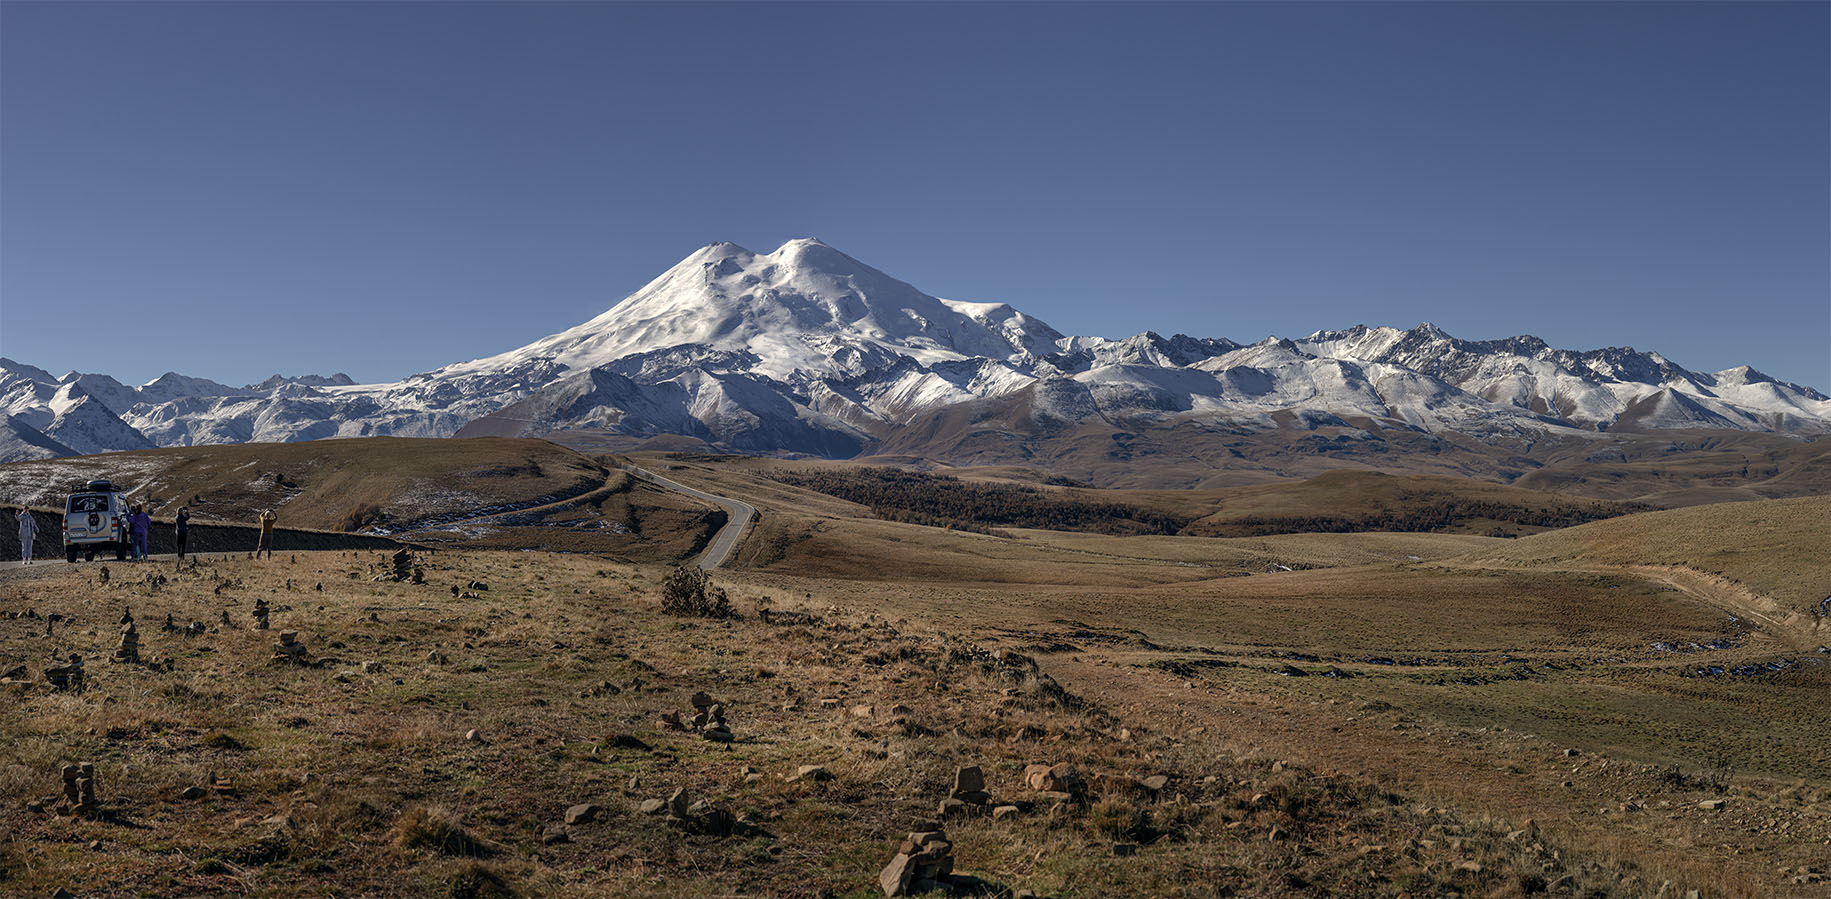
{"type": "Point", "coordinates": [726, 539]}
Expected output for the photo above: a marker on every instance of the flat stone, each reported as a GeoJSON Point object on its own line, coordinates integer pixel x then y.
{"type": "Point", "coordinates": [1004, 811]}
{"type": "Point", "coordinates": [653, 806]}
{"type": "Point", "coordinates": [1155, 783]}
{"type": "Point", "coordinates": [812, 772]}
{"type": "Point", "coordinates": [583, 813]}
{"type": "Point", "coordinates": [863, 711]}
{"type": "Point", "coordinates": [894, 879]}
{"type": "Point", "coordinates": [193, 793]}
{"type": "Point", "coordinates": [1711, 805]}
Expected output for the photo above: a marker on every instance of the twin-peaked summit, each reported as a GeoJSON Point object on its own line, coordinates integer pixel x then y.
{"type": "Point", "coordinates": [808, 350]}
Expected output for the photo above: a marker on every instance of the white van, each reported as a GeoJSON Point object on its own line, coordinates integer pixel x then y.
{"type": "Point", "coordinates": [95, 520]}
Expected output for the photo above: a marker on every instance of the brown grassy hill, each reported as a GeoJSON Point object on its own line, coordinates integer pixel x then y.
{"type": "Point", "coordinates": [1777, 547]}
{"type": "Point", "coordinates": [327, 484]}
{"type": "Point", "coordinates": [499, 492]}
{"type": "Point", "coordinates": [1693, 468]}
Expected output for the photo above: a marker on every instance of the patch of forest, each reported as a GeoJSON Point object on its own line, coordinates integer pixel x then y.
{"type": "Point", "coordinates": [942, 501]}
{"type": "Point", "coordinates": [1420, 511]}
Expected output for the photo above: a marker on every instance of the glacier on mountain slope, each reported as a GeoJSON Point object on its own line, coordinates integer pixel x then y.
{"type": "Point", "coordinates": [807, 350]}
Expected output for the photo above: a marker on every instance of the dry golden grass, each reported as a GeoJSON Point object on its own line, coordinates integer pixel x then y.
{"type": "Point", "coordinates": [356, 778]}
{"type": "Point", "coordinates": [1473, 664]}
{"type": "Point", "coordinates": [1777, 548]}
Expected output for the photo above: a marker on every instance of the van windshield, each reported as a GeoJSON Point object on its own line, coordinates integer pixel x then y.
{"type": "Point", "coordinates": [94, 502]}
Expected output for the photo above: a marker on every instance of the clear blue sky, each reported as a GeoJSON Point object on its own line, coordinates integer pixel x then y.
{"type": "Point", "coordinates": [231, 190]}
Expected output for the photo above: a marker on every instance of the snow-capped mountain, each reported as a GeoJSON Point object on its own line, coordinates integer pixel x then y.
{"type": "Point", "coordinates": [808, 350]}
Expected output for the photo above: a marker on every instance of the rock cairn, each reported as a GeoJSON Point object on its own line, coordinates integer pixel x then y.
{"type": "Point", "coordinates": [401, 568]}
{"type": "Point", "coordinates": [924, 864]}
{"type": "Point", "coordinates": [289, 650]}
{"type": "Point", "coordinates": [68, 676]}
{"type": "Point", "coordinates": [260, 614]}
{"type": "Point", "coordinates": [129, 650]}
{"type": "Point", "coordinates": [708, 719]}
{"type": "Point", "coordinates": [79, 791]}
{"type": "Point", "coordinates": [968, 795]}
{"type": "Point", "coordinates": [702, 816]}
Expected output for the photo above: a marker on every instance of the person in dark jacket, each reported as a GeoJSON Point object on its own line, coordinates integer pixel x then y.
{"type": "Point", "coordinates": [184, 528]}
{"type": "Point", "coordinates": [142, 526]}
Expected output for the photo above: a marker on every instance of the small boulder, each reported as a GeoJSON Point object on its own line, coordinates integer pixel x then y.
{"type": "Point", "coordinates": [969, 779]}
{"type": "Point", "coordinates": [583, 813]}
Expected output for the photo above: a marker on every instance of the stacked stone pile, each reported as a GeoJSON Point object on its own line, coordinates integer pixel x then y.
{"type": "Point", "coordinates": [68, 676]}
{"type": "Point", "coordinates": [709, 719]}
{"type": "Point", "coordinates": [968, 796]}
{"type": "Point", "coordinates": [79, 791]}
{"type": "Point", "coordinates": [260, 614]}
{"type": "Point", "coordinates": [924, 864]}
{"type": "Point", "coordinates": [701, 816]}
{"type": "Point", "coordinates": [289, 650]}
{"type": "Point", "coordinates": [129, 650]}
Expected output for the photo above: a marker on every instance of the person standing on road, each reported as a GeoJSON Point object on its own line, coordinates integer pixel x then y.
{"type": "Point", "coordinates": [184, 529]}
{"type": "Point", "coordinates": [266, 545]}
{"type": "Point", "coordinates": [28, 531]}
{"type": "Point", "coordinates": [142, 525]}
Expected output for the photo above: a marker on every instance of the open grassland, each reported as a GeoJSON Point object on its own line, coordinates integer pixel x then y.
{"type": "Point", "coordinates": [1625, 709]}
{"type": "Point", "coordinates": [436, 746]}
{"type": "Point", "coordinates": [1779, 549]}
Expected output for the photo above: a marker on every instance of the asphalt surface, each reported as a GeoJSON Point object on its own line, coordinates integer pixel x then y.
{"type": "Point", "coordinates": [738, 518]}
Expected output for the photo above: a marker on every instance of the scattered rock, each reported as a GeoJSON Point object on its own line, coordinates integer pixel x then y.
{"type": "Point", "coordinates": [1062, 778]}
{"type": "Point", "coordinates": [969, 779]}
{"type": "Point", "coordinates": [583, 813]}
{"type": "Point", "coordinates": [1711, 805]}
{"type": "Point", "coordinates": [816, 773]}
{"type": "Point", "coordinates": [471, 736]}
{"type": "Point", "coordinates": [652, 806]}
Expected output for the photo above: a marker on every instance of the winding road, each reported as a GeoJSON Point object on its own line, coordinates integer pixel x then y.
{"type": "Point", "coordinates": [739, 515]}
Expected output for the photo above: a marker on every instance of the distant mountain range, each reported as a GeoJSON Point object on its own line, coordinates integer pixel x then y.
{"type": "Point", "coordinates": [807, 350]}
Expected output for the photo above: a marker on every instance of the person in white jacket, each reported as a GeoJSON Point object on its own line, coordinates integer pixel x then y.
{"type": "Point", "coordinates": [28, 531]}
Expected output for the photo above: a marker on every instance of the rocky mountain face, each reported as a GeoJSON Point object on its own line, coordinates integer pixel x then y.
{"type": "Point", "coordinates": [807, 350]}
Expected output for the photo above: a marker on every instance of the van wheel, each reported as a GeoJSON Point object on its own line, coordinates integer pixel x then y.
{"type": "Point", "coordinates": [70, 554]}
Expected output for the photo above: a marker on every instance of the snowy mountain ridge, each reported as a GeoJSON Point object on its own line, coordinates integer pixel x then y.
{"type": "Point", "coordinates": [807, 350]}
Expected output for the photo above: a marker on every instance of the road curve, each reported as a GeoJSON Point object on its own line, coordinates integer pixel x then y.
{"type": "Point", "coordinates": [738, 512]}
